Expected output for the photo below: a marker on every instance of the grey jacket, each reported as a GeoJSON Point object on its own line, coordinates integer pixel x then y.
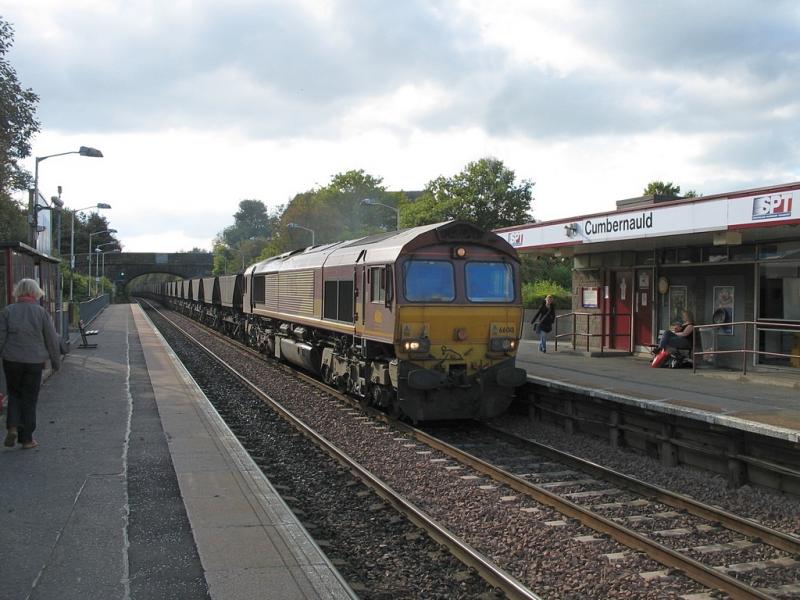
{"type": "Point", "coordinates": [27, 335]}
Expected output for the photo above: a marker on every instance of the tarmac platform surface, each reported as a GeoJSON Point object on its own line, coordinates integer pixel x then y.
{"type": "Point", "coordinates": [764, 402]}
{"type": "Point", "coordinates": [139, 490]}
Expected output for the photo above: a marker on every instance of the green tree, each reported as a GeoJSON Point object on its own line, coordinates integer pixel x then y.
{"type": "Point", "coordinates": [660, 188]}
{"type": "Point", "coordinates": [336, 212]}
{"type": "Point", "coordinates": [19, 124]}
{"type": "Point", "coordinates": [85, 223]}
{"type": "Point", "coordinates": [13, 226]}
{"type": "Point", "coordinates": [251, 221]}
{"type": "Point", "coordinates": [484, 193]}
{"type": "Point", "coordinates": [547, 268]}
{"type": "Point", "coordinates": [240, 244]}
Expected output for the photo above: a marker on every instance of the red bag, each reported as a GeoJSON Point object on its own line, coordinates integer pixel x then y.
{"type": "Point", "coordinates": [660, 358]}
{"type": "Point", "coordinates": [2, 402]}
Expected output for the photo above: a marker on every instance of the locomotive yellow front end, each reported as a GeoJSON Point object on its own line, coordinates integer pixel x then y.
{"type": "Point", "coordinates": [458, 330]}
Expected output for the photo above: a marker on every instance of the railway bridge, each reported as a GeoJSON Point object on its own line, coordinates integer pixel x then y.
{"type": "Point", "coordinates": [123, 267]}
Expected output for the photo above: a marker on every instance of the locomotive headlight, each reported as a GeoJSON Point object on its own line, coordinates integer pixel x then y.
{"type": "Point", "coordinates": [502, 344]}
{"type": "Point", "coordinates": [419, 345]}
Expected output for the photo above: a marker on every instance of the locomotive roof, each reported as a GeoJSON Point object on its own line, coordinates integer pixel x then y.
{"type": "Point", "coordinates": [382, 248]}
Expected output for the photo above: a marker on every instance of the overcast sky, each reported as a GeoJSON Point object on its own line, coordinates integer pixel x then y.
{"type": "Point", "coordinates": [200, 104]}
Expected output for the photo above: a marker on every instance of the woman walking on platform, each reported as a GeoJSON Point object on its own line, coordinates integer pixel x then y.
{"type": "Point", "coordinates": [27, 340]}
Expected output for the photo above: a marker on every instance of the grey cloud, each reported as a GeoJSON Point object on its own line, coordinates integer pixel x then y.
{"type": "Point", "coordinates": [766, 151]}
{"type": "Point", "coordinates": [110, 76]}
{"type": "Point", "coordinates": [744, 38]}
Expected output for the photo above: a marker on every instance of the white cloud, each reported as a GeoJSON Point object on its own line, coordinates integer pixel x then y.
{"type": "Point", "coordinates": [197, 105]}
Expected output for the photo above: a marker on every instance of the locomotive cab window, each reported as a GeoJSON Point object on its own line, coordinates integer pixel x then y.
{"type": "Point", "coordinates": [377, 285]}
{"type": "Point", "coordinates": [429, 281]}
{"type": "Point", "coordinates": [489, 282]}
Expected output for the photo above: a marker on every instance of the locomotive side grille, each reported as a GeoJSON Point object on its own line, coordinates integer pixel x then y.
{"type": "Point", "coordinates": [296, 292]}
{"type": "Point", "coordinates": [271, 290]}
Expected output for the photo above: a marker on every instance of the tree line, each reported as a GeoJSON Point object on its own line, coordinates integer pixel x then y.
{"type": "Point", "coordinates": [355, 204]}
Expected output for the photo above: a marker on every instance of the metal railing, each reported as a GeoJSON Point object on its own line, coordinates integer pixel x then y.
{"type": "Point", "coordinates": [587, 333]}
{"type": "Point", "coordinates": [749, 326]}
{"type": "Point", "coordinates": [88, 311]}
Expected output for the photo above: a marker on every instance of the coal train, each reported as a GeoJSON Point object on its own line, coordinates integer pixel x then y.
{"type": "Point", "coordinates": [423, 322]}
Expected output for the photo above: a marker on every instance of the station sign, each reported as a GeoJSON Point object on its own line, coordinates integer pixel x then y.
{"type": "Point", "coordinates": [676, 218]}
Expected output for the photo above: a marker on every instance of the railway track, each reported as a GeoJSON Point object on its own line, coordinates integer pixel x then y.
{"type": "Point", "coordinates": [644, 518]}
{"type": "Point", "coordinates": [490, 572]}
{"type": "Point", "coordinates": [631, 511]}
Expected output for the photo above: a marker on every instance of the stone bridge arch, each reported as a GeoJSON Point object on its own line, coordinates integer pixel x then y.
{"type": "Point", "coordinates": [122, 267]}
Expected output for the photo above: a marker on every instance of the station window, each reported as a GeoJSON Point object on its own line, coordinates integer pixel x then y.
{"type": "Point", "coordinates": [688, 255]}
{"type": "Point", "coordinates": [743, 253]}
{"type": "Point", "coordinates": [377, 285]}
{"type": "Point", "coordinates": [715, 254]}
{"type": "Point", "coordinates": [779, 250]}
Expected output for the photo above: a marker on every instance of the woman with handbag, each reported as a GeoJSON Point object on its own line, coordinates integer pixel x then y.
{"type": "Point", "coordinates": [547, 315]}
{"type": "Point", "coordinates": [27, 339]}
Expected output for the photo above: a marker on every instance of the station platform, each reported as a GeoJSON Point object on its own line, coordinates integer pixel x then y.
{"type": "Point", "coordinates": [759, 402]}
{"type": "Point", "coordinates": [139, 490]}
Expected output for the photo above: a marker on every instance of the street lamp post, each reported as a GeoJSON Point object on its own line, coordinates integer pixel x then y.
{"type": "Point", "coordinates": [72, 243]}
{"type": "Point", "coordinates": [103, 270]}
{"type": "Point", "coordinates": [296, 226]}
{"type": "Point", "coordinates": [34, 220]}
{"type": "Point", "coordinates": [90, 253]}
{"type": "Point", "coordinates": [371, 202]}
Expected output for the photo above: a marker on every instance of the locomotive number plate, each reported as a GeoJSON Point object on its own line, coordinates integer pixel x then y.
{"type": "Point", "coordinates": [504, 330]}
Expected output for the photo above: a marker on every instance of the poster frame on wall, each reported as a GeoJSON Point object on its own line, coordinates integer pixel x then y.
{"type": "Point", "coordinates": [678, 298]}
{"type": "Point", "coordinates": [724, 296]}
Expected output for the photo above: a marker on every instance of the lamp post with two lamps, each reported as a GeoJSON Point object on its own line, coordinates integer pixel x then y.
{"type": "Point", "coordinates": [72, 242]}
{"type": "Point", "coordinates": [371, 202]}
{"type": "Point", "coordinates": [101, 271]}
{"type": "Point", "coordinates": [91, 252]}
{"type": "Point", "coordinates": [296, 226]}
{"type": "Point", "coordinates": [34, 221]}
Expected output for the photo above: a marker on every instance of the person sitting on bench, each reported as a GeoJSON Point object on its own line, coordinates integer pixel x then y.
{"type": "Point", "coordinates": [681, 337]}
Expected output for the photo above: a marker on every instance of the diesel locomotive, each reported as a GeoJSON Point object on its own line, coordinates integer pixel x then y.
{"type": "Point", "coordinates": [423, 322]}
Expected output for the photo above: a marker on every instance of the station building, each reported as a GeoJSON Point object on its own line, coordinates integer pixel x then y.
{"type": "Point", "coordinates": [732, 259]}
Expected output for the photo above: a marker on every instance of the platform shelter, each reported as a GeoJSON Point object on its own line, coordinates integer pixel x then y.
{"type": "Point", "coordinates": [732, 259]}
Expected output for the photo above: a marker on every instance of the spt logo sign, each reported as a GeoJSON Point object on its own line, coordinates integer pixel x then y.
{"type": "Point", "coordinates": [774, 206]}
{"type": "Point", "coordinates": [515, 238]}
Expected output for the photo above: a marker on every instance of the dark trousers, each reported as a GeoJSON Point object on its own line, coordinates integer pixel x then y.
{"type": "Point", "coordinates": [23, 381]}
{"type": "Point", "coordinates": [670, 340]}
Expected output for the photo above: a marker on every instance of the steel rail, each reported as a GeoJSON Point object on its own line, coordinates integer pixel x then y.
{"type": "Point", "coordinates": [490, 572]}
{"type": "Point", "coordinates": [694, 569]}
{"type": "Point", "coordinates": [777, 539]}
